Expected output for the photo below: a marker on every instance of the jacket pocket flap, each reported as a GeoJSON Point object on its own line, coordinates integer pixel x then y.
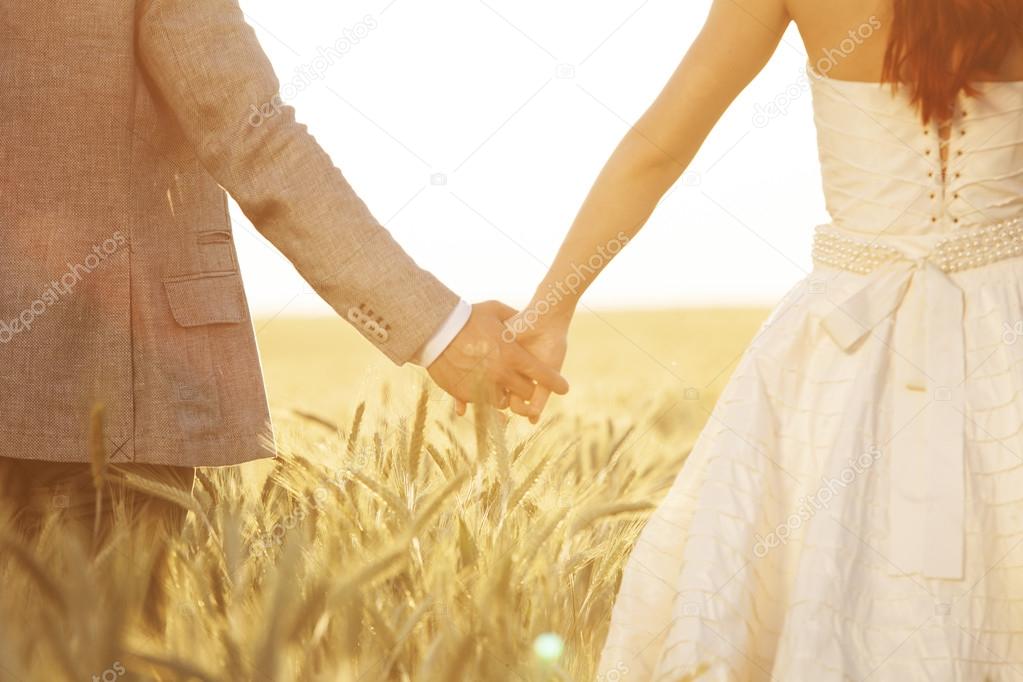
{"type": "Point", "coordinates": [197, 300]}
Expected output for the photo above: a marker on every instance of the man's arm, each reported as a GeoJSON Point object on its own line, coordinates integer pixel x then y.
{"type": "Point", "coordinates": [445, 334]}
{"type": "Point", "coordinates": [209, 67]}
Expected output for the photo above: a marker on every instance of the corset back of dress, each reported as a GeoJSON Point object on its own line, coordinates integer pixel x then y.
{"type": "Point", "coordinates": [882, 168]}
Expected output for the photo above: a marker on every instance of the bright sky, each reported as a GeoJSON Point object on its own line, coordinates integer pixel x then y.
{"type": "Point", "coordinates": [474, 128]}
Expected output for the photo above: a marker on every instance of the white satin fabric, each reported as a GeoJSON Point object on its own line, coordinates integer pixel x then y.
{"type": "Point", "coordinates": [854, 508]}
{"type": "Point", "coordinates": [925, 512]}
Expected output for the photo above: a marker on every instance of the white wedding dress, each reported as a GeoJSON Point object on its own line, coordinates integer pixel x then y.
{"type": "Point", "coordinates": [854, 508]}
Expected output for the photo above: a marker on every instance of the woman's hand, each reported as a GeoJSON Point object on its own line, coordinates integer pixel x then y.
{"type": "Point", "coordinates": [546, 338]}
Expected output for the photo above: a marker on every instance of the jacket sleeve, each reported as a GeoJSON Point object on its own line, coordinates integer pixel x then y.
{"type": "Point", "coordinates": [207, 65]}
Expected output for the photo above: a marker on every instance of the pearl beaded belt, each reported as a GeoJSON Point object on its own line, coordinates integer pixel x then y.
{"type": "Point", "coordinates": [969, 248]}
{"type": "Point", "coordinates": [906, 279]}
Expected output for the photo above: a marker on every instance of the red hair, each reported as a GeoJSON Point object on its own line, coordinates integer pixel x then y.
{"type": "Point", "coordinates": [938, 48]}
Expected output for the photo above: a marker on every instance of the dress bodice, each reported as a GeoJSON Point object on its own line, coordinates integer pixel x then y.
{"type": "Point", "coordinates": [882, 167]}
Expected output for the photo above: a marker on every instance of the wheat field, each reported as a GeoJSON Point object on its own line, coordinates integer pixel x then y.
{"type": "Point", "coordinates": [392, 540]}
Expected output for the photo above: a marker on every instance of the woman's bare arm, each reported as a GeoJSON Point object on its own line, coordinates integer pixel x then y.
{"type": "Point", "coordinates": [736, 41]}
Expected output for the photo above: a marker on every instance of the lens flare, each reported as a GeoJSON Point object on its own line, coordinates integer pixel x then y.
{"type": "Point", "coordinates": [549, 647]}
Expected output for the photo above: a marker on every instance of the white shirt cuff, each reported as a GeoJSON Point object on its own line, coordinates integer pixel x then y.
{"type": "Point", "coordinates": [444, 335]}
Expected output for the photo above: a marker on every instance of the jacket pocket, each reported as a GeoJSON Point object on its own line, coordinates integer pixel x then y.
{"type": "Point", "coordinates": [197, 300]}
{"type": "Point", "coordinates": [216, 251]}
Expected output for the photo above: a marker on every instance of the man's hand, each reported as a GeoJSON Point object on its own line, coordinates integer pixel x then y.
{"type": "Point", "coordinates": [485, 356]}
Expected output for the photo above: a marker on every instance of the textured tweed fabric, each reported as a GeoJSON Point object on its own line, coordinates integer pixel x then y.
{"type": "Point", "coordinates": [122, 124]}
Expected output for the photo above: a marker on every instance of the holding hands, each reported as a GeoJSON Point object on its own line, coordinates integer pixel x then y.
{"type": "Point", "coordinates": [516, 357]}
{"type": "Point", "coordinates": [511, 369]}
{"type": "Point", "coordinates": [546, 338]}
